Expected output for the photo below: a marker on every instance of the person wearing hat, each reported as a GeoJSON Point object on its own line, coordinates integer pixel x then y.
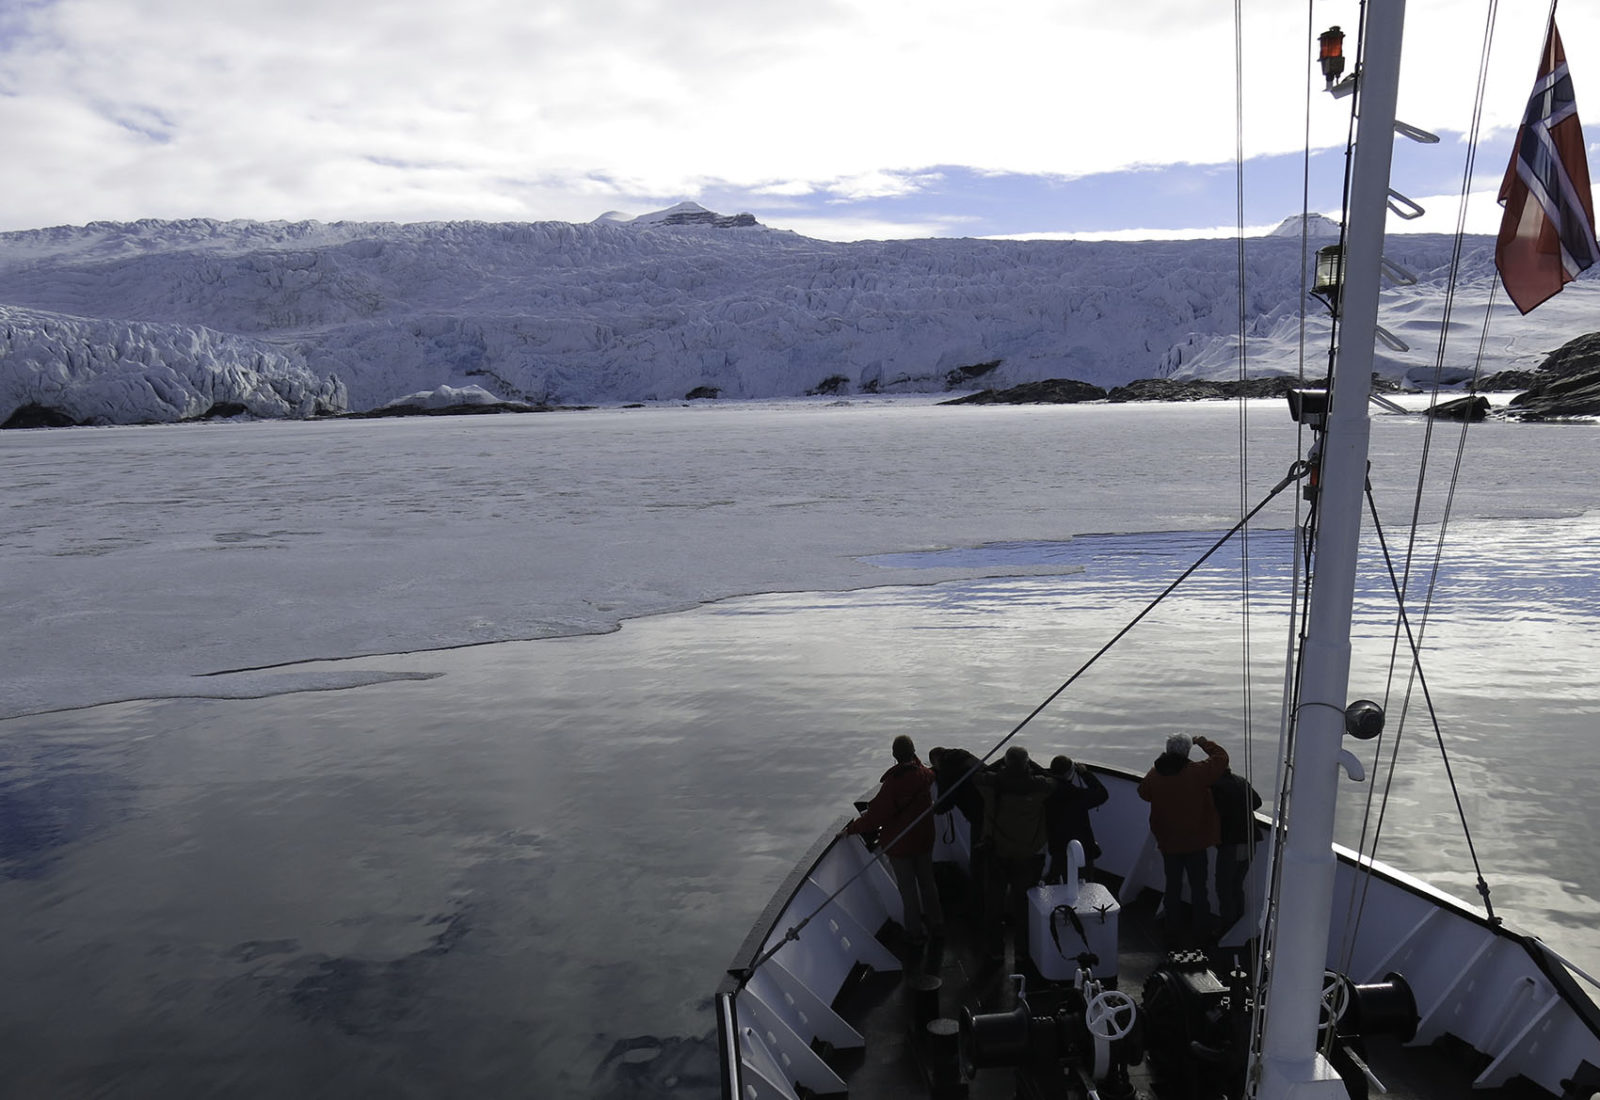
{"type": "Point", "coordinates": [1184, 821]}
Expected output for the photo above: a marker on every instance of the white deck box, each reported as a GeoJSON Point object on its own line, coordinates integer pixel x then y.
{"type": "Point", "coordinates": [1097, 913]}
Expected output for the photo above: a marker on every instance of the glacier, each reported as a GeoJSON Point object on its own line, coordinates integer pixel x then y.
{"type": "Point", "coordinates": [161, 321]}
{"type": "Point", "coordinates": [94, 370]}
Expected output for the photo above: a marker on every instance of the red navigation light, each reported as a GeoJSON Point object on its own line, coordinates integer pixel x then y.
{"type": "Point", "coordinates": [1331, 53]}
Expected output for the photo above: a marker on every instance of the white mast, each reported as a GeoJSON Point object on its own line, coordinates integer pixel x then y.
{"type": "Point", "coordinates": [1290, 1064]}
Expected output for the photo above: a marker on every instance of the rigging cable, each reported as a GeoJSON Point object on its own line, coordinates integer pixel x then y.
{"type": "Point", "coordinates": [1244, 409]}
{"type": "Point", "coordinates": [1357, 906]}
{"type": "Point", "coordinates": [1283, 780]}
{"type": "Point", "coordinates": [1422, 682]}
{"type": "Point", "coordinates": [1297, 470]}
{"type": "Point", "coordinates": [1300, 430]}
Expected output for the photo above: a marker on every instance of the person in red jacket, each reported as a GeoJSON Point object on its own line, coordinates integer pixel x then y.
{"type": "Point", "coordinates": [901, 814]}
{"type": "Point", "coordinates": [1183, 818]}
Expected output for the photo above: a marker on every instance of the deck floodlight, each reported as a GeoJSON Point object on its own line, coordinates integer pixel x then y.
{"type": "Point", "coordinates": [1330, 54]}
{"type": "Point", "coordinates": [1309, 407]}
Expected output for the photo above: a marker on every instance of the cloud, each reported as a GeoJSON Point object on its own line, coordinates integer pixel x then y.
{"type": "Point", "coordinates": [560, 108]}
{"type": "Point", "coordinates": [880, 185]}
{"type": "Point", "coordinates": [862, 229]}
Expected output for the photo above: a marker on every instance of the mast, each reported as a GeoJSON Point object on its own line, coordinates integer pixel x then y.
{"type": "Point", "coordinates": [1290, 1065]}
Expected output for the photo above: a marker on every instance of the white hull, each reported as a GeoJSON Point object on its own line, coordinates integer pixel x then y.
{"type": "Point", "coordinates": [1494, 988]}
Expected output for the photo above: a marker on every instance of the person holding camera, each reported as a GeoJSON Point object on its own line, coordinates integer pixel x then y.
{"type": "Point", "coordinates": [1078, 790]}
{"type": "Point", "coordinates": [1184, 821]}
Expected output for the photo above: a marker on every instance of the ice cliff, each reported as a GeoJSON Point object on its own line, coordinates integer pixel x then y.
{"type": "Point", "coordinates": [160, 320]}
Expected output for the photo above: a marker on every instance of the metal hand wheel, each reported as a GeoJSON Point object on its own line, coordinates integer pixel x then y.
{"type": "Point", "coordinates": [1111, 1015]}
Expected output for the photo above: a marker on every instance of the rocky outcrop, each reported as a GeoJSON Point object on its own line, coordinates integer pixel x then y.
{"type": "Point", "coordinates": [706, 217]}
{"type": "Point", "coordinates": [451, 401]}
{"type": "Point", "coordinates": [1507, 381]}
{"type": "Point", "coordinates": [1052, 391]}
{"type": "Point", "coordinates": [1201, 389]}
{"type": "Point", "coordinates": [960, 376]}
{"type": "Point", "coordinates": [1567, 384]}
{"type": "Point", "coordinates": [1472, 408]}
{"type": "Point", "coordinates": [1070, 391]}
{"type": "Point", "coordinates": [34, 415]}
{"type": "Point", "coordinates": [473, 409]}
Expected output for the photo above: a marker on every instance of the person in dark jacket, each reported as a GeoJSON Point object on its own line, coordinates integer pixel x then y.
{"type": "Point", "coordinates": [1078, 790]}
{"type": "Point", "coordinates": [1236, 802]}
{"type": "Point", "coordinates": [955, 770]}
{"type": "Point", "coordinates": [1183, 818]}
{"type": "Point", "coordinates": [1015, 835]}
{"type": "Point", "coordinates": [901, 814]}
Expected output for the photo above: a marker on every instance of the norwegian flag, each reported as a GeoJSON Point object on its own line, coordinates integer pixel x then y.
{"type": "Point", "coordinates": [1547, 232]}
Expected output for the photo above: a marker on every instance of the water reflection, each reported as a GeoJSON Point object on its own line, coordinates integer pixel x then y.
{"type": "Point", "coordinates": [494, 869]}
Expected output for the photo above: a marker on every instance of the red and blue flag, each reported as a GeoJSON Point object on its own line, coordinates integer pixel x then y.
{"type": "Point", "coordinates": [1547, 232]}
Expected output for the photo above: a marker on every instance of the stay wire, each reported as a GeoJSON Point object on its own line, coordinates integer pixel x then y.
{"type": "Point", "coordinates": [1283, 807]}
{"type": "Point", "coordinates": [1404, 586]}
{"type": "Point", "coordinates": [1297, 470]}
{"type": "Point", "coordinates": [1491, 16]}
{"type": "Point", "coordinates": [1451, 283]}
{"type": "Point", "coordinates": [1415, 645]}
{"type": "Point", "coordinates": [1289, 719]}
{"type": "Point", "coordinates": [1244, 373]}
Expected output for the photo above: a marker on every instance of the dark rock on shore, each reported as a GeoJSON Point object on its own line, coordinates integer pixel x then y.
{"type": "Point", "coordinates": [222, 410]}
{"type": "Point", "coordinates": [1071, 391]}
{"type": "Point", "coordinates": [1566, 385]}
{"type": "Point", "coordinates": [1052, 391]}
{"type": "Point", "coordinates": [1508, 380]}
{"type": "Point", "coordinates": [962, 375]}
{"type": "Point", "coordinates": [474, 409]}
{"type": "Point", "coordinates": [1202, 389]}
{"type": "Point", "coordinates": [1472, 408]}
{"type": "Point", "coordinates": [38, 416]}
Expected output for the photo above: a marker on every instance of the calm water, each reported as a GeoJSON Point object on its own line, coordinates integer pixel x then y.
{"type": "Point", "coordinates": [484, 877]}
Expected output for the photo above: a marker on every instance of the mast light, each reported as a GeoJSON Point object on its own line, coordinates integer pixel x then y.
{"type": "Point", "coordinates": [1329, 278]}
{"type": "Point", "coordinates": [1330, 269]}
{"type": "Point", "coordinates": [1330, 54]}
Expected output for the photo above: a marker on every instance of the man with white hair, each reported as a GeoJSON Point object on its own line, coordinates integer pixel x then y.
{"type": "Point", "coordinates": [1183, 818]}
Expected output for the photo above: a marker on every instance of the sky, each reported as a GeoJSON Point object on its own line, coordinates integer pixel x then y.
{"type": "Point", "coordinates": [839, 119]}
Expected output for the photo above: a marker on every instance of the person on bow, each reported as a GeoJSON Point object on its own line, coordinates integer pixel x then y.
{"type": "Point", "coordinates": [1237, 802]}
{"type": "Point", "coordinates": [1015, 834]}
{"type": "Point", "coordinates": [901, 815]}
{"type": "Point", "coordinates": [1078, 790]}
{"type": "Point", "coordinates": [955, 769]}
{"type": "Point", "coordinates": [1185, 824]}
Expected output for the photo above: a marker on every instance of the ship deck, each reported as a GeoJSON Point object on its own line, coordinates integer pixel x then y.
{"type": "Point", "coordinates": [901, 1059]}
{"type": "Point", "coordinates": [846, 1006]}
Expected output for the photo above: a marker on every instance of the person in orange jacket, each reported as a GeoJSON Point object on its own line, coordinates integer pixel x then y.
{"type": "Point", "coordinates": [901, 815]}
{"type": "Point", "coordinates": [1184, 821]}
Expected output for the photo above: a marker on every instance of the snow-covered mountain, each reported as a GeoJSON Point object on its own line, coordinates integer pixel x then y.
{"type": "Point", "coordinates": [157, 321]}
